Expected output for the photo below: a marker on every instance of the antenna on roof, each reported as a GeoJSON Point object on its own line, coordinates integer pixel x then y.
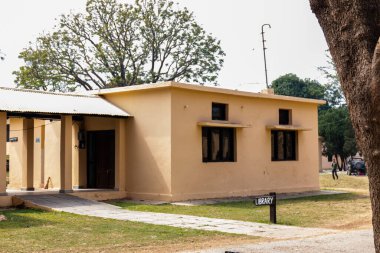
{"type": "Point", "coordinates": [264, 48]}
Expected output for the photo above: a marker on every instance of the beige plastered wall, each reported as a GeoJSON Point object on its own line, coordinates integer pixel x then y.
{"type": "Point", "coordinates": [253, 172]}
{"type": "Point", "coordinates": [38, 161]}
{"type": "Point", "coordinates": [46, 171]}
{"type": "Point", "coordinates": [52, 154]}
{"type": "Point", "coordinates": [148, 137]}
{"type": "Point", "coordinates": [79, 156]}
{"type": "Point", "coordinates": [164, 147]}
{"type": "Point", "coordinates": [80, 165]}
{"type": "Point", "coordinates": [46, 153]}
{"type": "Point", "coordinates": [14, 149]}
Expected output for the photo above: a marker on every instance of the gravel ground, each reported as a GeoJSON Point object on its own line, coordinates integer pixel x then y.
{"type": "Point", "coordinates": [343, 242]}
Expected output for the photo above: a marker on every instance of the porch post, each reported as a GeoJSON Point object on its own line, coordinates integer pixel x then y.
{"type": "Point", "coordinates": [28, 150]}
{"type": "Point", "coordinates": [66, 154]}
{"type": "Point", "coordinates": [3, 153]}
{"type": "Point", "coordinates": [120, 154]}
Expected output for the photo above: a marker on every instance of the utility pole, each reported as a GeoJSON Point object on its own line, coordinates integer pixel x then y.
{"type": "Point", "coordinates": [264, 48]}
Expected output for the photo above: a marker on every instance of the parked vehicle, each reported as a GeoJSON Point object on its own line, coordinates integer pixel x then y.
{"type": "Point", "coordinates": [356, 166]}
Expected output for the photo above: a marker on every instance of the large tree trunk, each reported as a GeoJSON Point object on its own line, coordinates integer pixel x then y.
{"type": "Point", "coordinates": [352, 29]}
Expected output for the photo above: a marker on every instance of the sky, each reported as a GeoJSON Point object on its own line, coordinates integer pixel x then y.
{"type": "Point", "coordinates": [295, 41]}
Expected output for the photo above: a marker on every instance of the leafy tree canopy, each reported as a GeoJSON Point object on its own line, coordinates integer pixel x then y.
{"type": "Point", "coordinates": [336, 129]}
{"type": "Point", "coordinates": [118, 44]}
{"type": "Point", "coordinates": [292, 85]}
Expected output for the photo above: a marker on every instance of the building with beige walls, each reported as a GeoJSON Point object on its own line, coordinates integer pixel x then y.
{"type": "Point", "coordinates": [167, 141]}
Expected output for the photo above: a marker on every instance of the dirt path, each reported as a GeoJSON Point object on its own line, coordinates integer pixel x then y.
{"type": "Point", "coordinates": [342, 242]}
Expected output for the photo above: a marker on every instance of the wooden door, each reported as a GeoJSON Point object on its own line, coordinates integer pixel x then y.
{"type": "Point", "coordinates": [101, 159]}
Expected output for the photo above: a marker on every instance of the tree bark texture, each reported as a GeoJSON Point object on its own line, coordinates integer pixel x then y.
{"type": "Point", "coordinates": [352, 31]}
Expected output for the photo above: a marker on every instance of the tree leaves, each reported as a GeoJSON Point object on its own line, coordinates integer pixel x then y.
{"type": "Point", "coordinates": [115, 44]}
{"type": "Point", "coordinates": [292, 85]}
{"type": "Point", "coordinates": [336, 129]}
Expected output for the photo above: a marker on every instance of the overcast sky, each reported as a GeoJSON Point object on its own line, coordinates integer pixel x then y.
{"type": "Point", "coordinates": [295, 42]}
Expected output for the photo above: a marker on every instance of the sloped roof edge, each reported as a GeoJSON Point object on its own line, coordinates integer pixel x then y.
{"type": "Point", "coordinates": [32, 101]}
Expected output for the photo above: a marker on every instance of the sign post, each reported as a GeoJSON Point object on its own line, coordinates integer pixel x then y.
{"type": "Point", "coordinates": [268, 201]}
{"type": "Point", "coordinates": [272, 209]}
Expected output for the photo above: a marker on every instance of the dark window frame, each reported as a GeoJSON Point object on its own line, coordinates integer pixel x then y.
{"type": "Point", "coordinates": [284, 117]}
{"type": "Point", "coordinates": [275, 151]}
{"type": "Point", "coordinates": [223, 111]}
{"type": "Point", "coordinates": [230, 133]}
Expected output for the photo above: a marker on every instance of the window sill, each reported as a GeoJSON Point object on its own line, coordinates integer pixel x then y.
{"type": "Point", "coordinates": [222, 124]}
{"type": "Point", "coordinates": [275, 161]}
{"type": "Point", "coordinates": [287, 127]}
{"type": "Point", "coordinates": [219, 162]}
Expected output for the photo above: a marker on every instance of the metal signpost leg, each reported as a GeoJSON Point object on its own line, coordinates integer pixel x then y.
{"type": "Point", "coordinates": [272, 210]}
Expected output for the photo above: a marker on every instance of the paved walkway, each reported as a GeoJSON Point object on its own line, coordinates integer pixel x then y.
{"type": "Point", "coordinates": [72, 204]}
{"type": "Point", "coordinates": [342, 242]}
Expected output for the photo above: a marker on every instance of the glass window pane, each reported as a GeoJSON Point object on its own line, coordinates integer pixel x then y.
{"type": "Point", "coordinates": [284, 117]}
{"type": "Point", "coordinates": [280, 145]}
{"type": "Point", "coordinates": [219, 111]}
{"type": "Point", "coordinates": [231, 145]}
{"type": "Point", "coordinates": [218, 144]}
{"type": "Point", "coordinates": [290, 145]}
{"type": "Point", "coordinates": [226, 146]}
{"type": "Point", "coordinates": [272, 146]}
{"type": "Point", "coordinates": [204, 144]}
{"type": "Point", "coordinates": [215, 144]}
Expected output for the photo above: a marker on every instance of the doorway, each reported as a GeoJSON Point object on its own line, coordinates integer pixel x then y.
{"type": "Point", "coordinates": [101, 159]}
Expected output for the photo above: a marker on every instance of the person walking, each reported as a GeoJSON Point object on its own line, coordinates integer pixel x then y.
{"type": "Point", "coordinates": [334, 166]}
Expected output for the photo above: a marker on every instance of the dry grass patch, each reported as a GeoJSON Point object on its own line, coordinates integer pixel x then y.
{"type": "Point", "coordinates": [37, 231]}
{"type": "Point", "coordinates": [346, 183]}
{"type": "Point", "coordinates": [340, 211]}
{"type": "Point", "coordinates": [329, 211]}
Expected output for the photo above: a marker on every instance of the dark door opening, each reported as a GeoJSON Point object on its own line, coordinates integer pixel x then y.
{"type": "Point", "coordinates": [101, 159]}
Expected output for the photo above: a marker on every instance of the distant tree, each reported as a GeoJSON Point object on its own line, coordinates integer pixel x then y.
{"type": "Point", "coordinates": [116, 44]}
{"type": "Point", "coordinates": [336, 130]}
{"type": "Point", "coordinates": [292, 85]}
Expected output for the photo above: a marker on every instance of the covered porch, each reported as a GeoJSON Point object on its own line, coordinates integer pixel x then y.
{"type": "Point", "coordinates": [65, 143]}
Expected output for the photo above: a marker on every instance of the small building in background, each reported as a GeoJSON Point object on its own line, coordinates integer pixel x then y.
{"type": "Point", "coordinates": [167, 141]}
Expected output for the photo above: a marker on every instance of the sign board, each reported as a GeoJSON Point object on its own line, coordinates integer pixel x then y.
{"type": "Point", "coordinates": [13, 139]}
{"type": "Point", "coordinates": [269, 200]}
{"type": "Point", "coordinates": [264, 201]}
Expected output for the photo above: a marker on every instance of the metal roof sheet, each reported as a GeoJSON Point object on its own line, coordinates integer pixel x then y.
{"type": "Point", "coordinates": [32, 101]}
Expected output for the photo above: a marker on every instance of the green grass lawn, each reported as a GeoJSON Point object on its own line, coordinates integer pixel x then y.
{"type": "Point", "coordinates": [350, 210]}
{"type": "Point", "coordinates": [37, 231]}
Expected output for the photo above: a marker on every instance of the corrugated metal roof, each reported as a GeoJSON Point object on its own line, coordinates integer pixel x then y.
{"type": "Point", "coordinates": [32, 101]}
